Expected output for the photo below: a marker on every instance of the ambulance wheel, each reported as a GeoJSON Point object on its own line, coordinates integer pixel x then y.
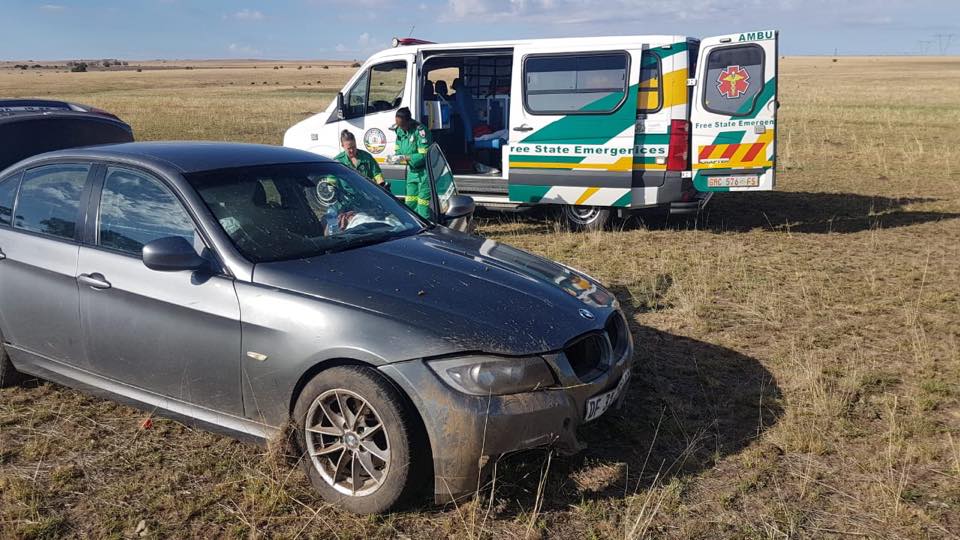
{"type": "Point", "coordinates": [585, 218]}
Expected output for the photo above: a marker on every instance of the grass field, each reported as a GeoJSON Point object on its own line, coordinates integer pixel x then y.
{"type": "Point", "coordinates": [798, 352]}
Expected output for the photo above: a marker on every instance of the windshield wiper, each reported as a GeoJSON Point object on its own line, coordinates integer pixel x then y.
{"type": "Point", "coordinates": [370, 239]}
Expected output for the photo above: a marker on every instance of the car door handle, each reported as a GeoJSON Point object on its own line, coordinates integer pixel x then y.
{"type": "Point", "coordinates": [95, 280]}
{"type": "Point", "coordinates": [523, 127]}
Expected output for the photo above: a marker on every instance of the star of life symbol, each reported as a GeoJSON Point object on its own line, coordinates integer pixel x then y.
{"type": "Point", "coordinates": [733, 82]}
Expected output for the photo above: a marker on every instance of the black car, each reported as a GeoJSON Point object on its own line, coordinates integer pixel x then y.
{"type": "Point", "coordinates": [32, 126]}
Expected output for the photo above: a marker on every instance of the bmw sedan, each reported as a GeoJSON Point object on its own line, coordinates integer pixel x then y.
{"type": "Point", "coordinates": [245, 288]}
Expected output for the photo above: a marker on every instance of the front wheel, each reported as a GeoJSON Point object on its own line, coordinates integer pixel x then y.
{"type": "Point", "coordinates": [358, 438]}
{"type": "Point", "coordinates": [585, 218]}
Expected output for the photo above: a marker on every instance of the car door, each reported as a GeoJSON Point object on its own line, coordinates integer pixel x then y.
{"type": "Point", "coordinates": [39, 242]}
{"type": "Point", "coordinates": [176, 334]}
{"type": "Point", "coordinates": [370, 107]}
{"type": "Point", "coordinates": [734, 113]}
{"type": "Point", "coordinates": [443, 188]}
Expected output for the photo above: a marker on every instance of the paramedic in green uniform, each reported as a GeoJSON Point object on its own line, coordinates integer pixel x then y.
{"type": "Point", "coordinates": [413, 141]}
{"type": "Point", "coordinates": [358, 160]}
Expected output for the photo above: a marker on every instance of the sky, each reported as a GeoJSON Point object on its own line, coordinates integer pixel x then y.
{"type": "Point", "coordinates": [354, 29]}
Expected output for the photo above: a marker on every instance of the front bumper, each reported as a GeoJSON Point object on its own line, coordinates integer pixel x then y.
{"type": "Point", "coordinates": [466, 431]}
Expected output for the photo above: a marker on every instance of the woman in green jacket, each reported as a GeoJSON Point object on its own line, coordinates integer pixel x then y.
{"type": "Point", "coordinates": [358, 160]}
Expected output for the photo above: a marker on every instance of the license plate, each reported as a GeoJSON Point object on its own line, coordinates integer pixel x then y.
{"type": "Point", "coordinates": [597, 405]}
{"type": "Point", "coordinates": [733, 181]}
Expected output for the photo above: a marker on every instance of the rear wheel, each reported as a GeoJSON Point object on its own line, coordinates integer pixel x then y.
{"type": "Point", "coordinates": [585, 218]}
{"type": "Point", "coordinates": [358, 440]}
{"type": "Point", "coordinates": [8, 375]}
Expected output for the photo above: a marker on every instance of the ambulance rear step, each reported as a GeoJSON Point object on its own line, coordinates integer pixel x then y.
{"type": "Point", "coordinates": [692, 206]}
{"type": "Point", "coordinates": [476, 184]}
{"type": "Point", "coordinates": [494, 202]}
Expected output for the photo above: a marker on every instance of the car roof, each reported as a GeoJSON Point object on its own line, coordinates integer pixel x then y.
{"type": "Point", "coordinates": [189, 156]}
{"type": "Point", "coordinates": [21, 105]}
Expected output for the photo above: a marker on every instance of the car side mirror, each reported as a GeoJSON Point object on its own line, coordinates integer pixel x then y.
{"type": "Point", "coordinates": [172, 254]}
{"type": "Point", "coordinates": [340, 106]}
{"type": "Point", "coordinates": [459, 206]}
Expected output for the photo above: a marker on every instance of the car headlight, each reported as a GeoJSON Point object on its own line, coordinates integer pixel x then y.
{"type": "Point", "coordinates": [492, 375]}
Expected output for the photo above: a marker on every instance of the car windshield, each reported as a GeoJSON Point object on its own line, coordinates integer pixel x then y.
{"type": "Point", "coordinates": [291, 211]}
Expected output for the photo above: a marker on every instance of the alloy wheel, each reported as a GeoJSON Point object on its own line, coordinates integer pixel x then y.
{"type": "Point", "coordinates": [347, 442]}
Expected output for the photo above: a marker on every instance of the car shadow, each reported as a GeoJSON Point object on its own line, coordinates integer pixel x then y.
{"type": "Point", "coordinates": [689, 405]}
{"type": "Point", "coordinates": [793, 211]}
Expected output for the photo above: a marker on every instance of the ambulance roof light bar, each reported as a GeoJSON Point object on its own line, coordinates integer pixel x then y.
{"type": "Point", "coordinates": [403, 42]}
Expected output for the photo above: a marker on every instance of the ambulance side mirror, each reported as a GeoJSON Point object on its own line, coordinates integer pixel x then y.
{"type": "Point", "coordinates": [340, 106]}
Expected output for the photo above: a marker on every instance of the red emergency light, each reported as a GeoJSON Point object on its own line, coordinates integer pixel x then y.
{"type": "Point", "coordinates": [403, 42]}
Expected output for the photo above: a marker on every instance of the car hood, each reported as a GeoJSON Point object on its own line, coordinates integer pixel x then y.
{"type": "Point", "coordinates": [474, 294]}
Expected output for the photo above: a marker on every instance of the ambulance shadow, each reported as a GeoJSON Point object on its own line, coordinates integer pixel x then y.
{"type": "Point", "coordinates": [798, 212]}
{"type": "Point", "coordinates": [689, 405]}
{"type": "Point", "coordinates": [802, 212]}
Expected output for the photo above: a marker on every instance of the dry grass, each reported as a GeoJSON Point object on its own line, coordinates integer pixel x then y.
{"type": "Point", "coordinates": [798, 351]}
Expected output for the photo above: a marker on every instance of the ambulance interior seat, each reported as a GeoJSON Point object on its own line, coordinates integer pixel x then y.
{"type": "Point", "coordinates": [428, 91]}
{"type": "Point", "coordinates": [440, 89]}
{"type": "Point", "coordinates": [466, 112]}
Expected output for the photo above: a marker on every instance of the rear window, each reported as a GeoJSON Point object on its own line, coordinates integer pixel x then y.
{"type": "Point", "coordinates": [8, 194]}
{"type": "Point", "coordinates": [650, 92]}
{"type": "Point", "coordinates": [572, 84]}
{"type": "Point", "coordinates": [734, 78]}
{"type": "Point", "coordinates": [49, 200]}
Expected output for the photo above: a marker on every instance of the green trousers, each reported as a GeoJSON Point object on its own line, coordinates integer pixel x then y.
{"type": "Point", "coordinates": [418, 193]}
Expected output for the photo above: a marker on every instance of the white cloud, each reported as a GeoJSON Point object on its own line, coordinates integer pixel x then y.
{"type": "Point", "coordinates": [239, 49]}
{"type": "Point", "coordinates": [247, 15]}
{"type": "Point", "coordinates": [52, 8]}
{"type": "Point", "coordinates": [341, 48]}
{"type": "Point", "coordinates": [608, 11]}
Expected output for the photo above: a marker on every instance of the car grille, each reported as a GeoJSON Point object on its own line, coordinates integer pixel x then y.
{"type": "Point", "coordinates": [617, 332]}
{"type": "Point", "coordinates": [588, 356]}
{"type": "Point", "coordinates": [592, 354]}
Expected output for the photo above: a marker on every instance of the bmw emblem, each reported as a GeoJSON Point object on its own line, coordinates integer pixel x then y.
{"type": "Point", "coordinates": [587, 315]}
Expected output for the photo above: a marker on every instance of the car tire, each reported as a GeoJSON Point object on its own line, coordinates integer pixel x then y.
{"type": "Point", "coordinates": [9, 376]}
{"type": "Point", "coordinates": [383, 440]}
{"type": "Point", "coordinates": [585, 218]}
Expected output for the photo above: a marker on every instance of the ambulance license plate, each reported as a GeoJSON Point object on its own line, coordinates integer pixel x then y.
{"type": "Point", "coordinates": [597, 405]}
{"type": "Point", "coordinates": [751, 180]}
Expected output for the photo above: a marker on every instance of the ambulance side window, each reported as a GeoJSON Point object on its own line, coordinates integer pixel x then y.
{"type": "Point", "coordinates": [589, 83]}
{"type": "Point", "coordinates": [734, 78]}
{"type": "Point", "coordinates": [650, 91]}
{"type": "Point", "coordinates": [356, 98]}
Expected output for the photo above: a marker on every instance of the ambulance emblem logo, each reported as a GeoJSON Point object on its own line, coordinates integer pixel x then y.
{"type": "Point", "coordinates": [733, 82]}
{"type": "Point", "coordinates": [374, 140]}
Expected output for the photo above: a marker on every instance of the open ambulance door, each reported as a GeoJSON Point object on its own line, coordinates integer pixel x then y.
{"type": "Point", "coordinates": [733, 119]}
{"type": "Point", "coordinates": [447, 206]}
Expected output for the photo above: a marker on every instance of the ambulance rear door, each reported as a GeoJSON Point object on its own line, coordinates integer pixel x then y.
{"type": "Point", "coordinates": [733, 116]}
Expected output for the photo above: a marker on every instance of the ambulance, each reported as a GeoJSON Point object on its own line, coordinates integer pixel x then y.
{"type": "Point", "coordinates": [600, 126]}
